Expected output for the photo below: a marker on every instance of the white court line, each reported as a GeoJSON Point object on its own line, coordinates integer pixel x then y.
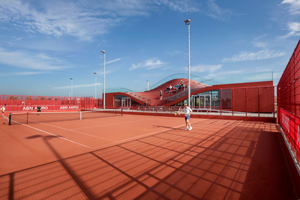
{"type": "Point", "coordinates": [113, 141]}
{"type": "Point", "coordinates": [70, 130]}
{"type": "Point", "coordinates": [77, 132]}
{"type": "Point", "coordinates": [107, 124]}
{"type": "Point", "coordinates": [54, 135]}
{"type": "Point", "coordinates": [136, 137]}
{"type": "Point", "coordinates": [5, 117]}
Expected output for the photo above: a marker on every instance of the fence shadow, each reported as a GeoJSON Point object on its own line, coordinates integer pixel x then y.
{"type": "Point", "coordinates": [232, 160]}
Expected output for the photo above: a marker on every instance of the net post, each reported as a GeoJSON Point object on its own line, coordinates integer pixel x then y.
{"type": "Point", "coordinates": [121, 111]}
{"type": "Point", "coordinates": [27, 118]}
{"type": "Point", "coordinates": [9, 119]}
{"type": "Point", "coordinates": [232, 102]}
{"type": "Point", "coordinates": [221, 102]}
{"type": "Point", "coordinates": [246, 102]}
{"type": "Point", "coordinates": [258, 99]}
{"type": "Point", "coordinates": [80, 115]}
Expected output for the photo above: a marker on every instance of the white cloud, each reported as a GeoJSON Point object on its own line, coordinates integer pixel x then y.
{"type": "Point", "coordinates": [294, 28]}
{"type": "Point", "coordinates": [214, 11]}
{"type": "Point", "coordinates": [112, 61]}
{"type": "Point", "coordinates": [46, 57]}
{"type": "Point", "coordinates": [179, 5]}
{"type": "Point", "coordinates": [205, 68]}
{"type": "Point", "coordinates": [87, 19]}
{"type": "Point", "coordinates": [21, 73]}
{"type": "Point", "coordinates": [277, 75]}
{"type": "Point", "coordinates": [174, 53]}
{"type": "Point", "coordinates": [57, 18]}
{"type": "Point", "coordinates": [106, 72]}
{"type": "Point", "coordinates": [24, 59]}
{"type": "Point", "coordinates": [258, 77]}
{"type": "Point", "coordinates": [222, 73]}
{"type": "Point", "coordinates": [77, 86]}
{"type": "Point", "coordinates": [294, 6]}
{"type": "Point", "coordinates": [261, 37]}
{"type": "Point", "coordinates": [260, 44]}
{"type": "Point", "coordinates": [152, 63]}
{"type": "Point", "coordinates": [263, 54]}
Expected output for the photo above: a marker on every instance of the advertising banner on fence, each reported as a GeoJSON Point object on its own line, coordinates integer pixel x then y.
{"type": "Point", "coordinates": [43, 108]}
{"type": "Point", "coordinates": [291, 126]}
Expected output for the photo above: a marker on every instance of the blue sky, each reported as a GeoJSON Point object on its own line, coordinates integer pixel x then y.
{"type": "Point", "coordinates": [44, 43]}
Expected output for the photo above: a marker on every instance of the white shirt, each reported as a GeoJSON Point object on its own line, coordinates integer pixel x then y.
{"type": "Point", "coordinates": [187, 111]}
{"type": "Point", "coordinates": [3, 109]}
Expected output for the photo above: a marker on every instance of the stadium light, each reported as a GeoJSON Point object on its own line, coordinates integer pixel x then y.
{"type": "Point", "coordinates": [187, 22]}
{"type": "Point", "coordinates": [103, 51]}
{"type": "Point", "coordinates": [71, 87]}
{"type": "Point", "coordinates": [95, 84]}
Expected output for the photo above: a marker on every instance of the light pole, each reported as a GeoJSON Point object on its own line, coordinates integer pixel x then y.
{"type": "Point", "coordinates": [187, 22]}
{"type": "Point", "coordinates": [95, 84]}
{"type": "Point", "coordinates": [71, 87]}
{"type": "Point", "coordinates": [103, 51]}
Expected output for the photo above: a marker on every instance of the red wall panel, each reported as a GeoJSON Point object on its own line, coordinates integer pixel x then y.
{"type": "Point", "coordinates": [252, 99]}
{"type": "Point", "coordinates": [288, 95]}
{"type": "Point", "coordinates": [239, 99]}
{"type": "Point", "coordinates": [266, 99]}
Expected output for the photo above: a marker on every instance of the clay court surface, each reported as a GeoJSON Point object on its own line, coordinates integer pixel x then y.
{"type": "Point", "coordinates": [143, 157]}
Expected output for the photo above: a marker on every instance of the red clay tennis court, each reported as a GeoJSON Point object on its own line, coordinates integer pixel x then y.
{"type": "Point", "coordinates": [143, 157]}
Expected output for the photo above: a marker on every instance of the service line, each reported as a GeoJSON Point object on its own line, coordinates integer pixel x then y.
{"type": "Point", "coordinates": [119, 141]}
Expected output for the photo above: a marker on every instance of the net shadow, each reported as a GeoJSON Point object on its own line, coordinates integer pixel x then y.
{"type": "Point", "coordinates": [204, 163]}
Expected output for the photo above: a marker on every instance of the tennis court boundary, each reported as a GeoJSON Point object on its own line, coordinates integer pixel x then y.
{"type": "Point", "coordinates": [132, 138]}
{"type": "Point", "coordinates": [54, 135]}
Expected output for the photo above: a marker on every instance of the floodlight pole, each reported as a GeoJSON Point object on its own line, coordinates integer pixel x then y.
{"type": "Point", "coordinates": [187, 22]}
{"type": "Point", "coordinates": [95, 84]}
{"type": "Point", "coordinates": [103, 51]}
{"type": "Point", "coordinates": [71, 87]}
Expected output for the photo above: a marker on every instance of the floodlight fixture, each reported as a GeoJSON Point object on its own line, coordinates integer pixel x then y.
{"type": "Point", "coordinates": [103, 51]}
{"type": "Point", "coordinates": [188, 22]}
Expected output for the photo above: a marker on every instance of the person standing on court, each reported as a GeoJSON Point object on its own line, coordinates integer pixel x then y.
{"type": "Point", "coordinates": [39, 110]}
{"type": "Point", "coordinates": [3, 110]}
{"type": "Point", "coordinates": [160, 93]}
{"type": "Point", "coordinates": [187, 111]}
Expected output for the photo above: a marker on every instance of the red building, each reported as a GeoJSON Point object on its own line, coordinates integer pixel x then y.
{"type": "Point", "coordinates": [243, 97]}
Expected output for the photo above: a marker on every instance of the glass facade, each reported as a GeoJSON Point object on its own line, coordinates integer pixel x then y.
{"type": "Point", "coordinates": [209, 99]}
{"type": "Point", "coordinates": [125, 101]}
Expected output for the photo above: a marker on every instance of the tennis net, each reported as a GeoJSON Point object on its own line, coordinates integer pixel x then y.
{"type": "Point", "coordinates": [44, 117]}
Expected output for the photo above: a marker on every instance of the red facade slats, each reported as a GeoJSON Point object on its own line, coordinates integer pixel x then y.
{"type": "Point", "coordinates": [252, 99]}
{"type": "Point", "coordinates": [288, 95]}
{"type": "Point", "coordinates": [266, 96]}
{"type": "Point", "coordinates": [27, 103]}
{"type": "Point", "coordinates": [240, 99]}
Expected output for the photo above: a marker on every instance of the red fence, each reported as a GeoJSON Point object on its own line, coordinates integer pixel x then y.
{"type": "Point", "coordinates": [250, 100]}
{"type": "Point", "coordinates": [43, 107]}
{"type": "Point", "coordinates": [30, 103]}
{"type": "Point", "coordinates": [288, 97]}
{"type": "Point", "coordinates": [90, 103]}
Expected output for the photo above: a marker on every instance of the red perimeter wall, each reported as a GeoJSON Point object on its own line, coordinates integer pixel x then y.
{"type": "Point", "coordinates": [288, 98]}
{"type": "Point", "coordinates": [249, 97]}
{"type": "Point", "coordinates": [30, 103]}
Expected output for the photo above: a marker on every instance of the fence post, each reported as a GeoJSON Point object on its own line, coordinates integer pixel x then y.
{"type": "Point", "coordinates": [274, 100]}
{"type": "Point", "coordinates": [232, 102]}
{"type": "Point", "coordinates": [220, 101]}
{"type": "Point", "coordinates": [246, 98]}
{"type": "Point", "coordinates": [258, 102]}
{"type": "Point", "coordinates": [278, 106]}
{"type": "Point", "coordinates": [9, 119]}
